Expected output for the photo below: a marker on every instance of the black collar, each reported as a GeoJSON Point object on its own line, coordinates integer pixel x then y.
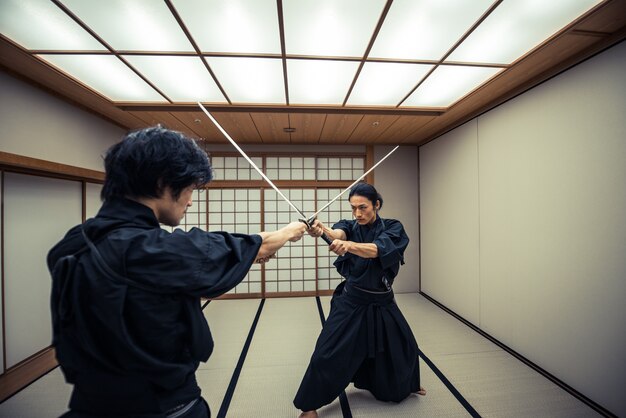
{"type": "Point", "coordinates": [127, 210]}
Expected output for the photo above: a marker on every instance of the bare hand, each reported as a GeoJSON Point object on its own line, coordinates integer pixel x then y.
{"type": "Point", "coordinates": [295, 230]}
{"type": "Point", "coordinates": [263, 260]}
{"type": "Point", "coordinates": [340, 247]}
{"type": "Point", "coordinates": [317, 229]}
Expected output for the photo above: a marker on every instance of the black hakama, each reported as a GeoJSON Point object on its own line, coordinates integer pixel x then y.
{"type": "Point", "coordinates": [366, 339]}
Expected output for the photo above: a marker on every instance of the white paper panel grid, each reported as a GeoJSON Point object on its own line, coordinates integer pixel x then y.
{"type": "Point", "coordinates": [328, 278]}
{"type": "Point", "coordinates": [293, 270]}
{"type": "Point", "coordinates": [235, 211]}
{"type": "Point", "coordinates": [195, 217]}
{"type": "Point", "coordinates": [235, 168]}
{"type": "Point", "coordinates": [290, 168]}
{"type": "Point", "coordinates": [339, 168]}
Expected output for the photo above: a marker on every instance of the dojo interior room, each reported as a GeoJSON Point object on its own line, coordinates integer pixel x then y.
{"type": "Point", "coordinates": [510, 181]}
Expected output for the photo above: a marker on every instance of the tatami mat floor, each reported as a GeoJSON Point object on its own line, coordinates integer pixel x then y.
{"type": "Point", "coordinates": [492, 381]}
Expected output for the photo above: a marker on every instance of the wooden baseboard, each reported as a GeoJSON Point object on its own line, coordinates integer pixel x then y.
{"type": "Point", "coordinates": [21, 375]}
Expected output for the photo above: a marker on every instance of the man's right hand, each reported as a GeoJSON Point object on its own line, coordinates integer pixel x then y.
{"type": "Point", "coordinates": [295, 230]}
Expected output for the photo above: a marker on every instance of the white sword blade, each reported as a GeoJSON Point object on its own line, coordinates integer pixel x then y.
{"type": "Point", "coordinates": [355, 182]}
{"type": "Point", "coordinates": [250, 161]}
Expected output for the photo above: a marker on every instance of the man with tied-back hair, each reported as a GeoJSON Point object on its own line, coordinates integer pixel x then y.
{"type": "Point", "coordinates": [366, 339]}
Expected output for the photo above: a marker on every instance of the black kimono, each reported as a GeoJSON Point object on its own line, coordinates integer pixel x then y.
{"type": "Point", "coordinates": [365, 340]}
{"type": "Point", "coordinates": [128, 329]}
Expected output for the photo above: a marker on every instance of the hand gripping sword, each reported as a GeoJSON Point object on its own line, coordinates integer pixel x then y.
{"type": "Point", "coordinates": [307, 221]}
{"type": "Point", "coordinates": [244, 155]}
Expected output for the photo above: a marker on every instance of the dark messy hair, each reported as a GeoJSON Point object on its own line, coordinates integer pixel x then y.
{"type": "Point", "coordinates": [147, 161]}
{"type": "Point", "coordinates": [368, 191]}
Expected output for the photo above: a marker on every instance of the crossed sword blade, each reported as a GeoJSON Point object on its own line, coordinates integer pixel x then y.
{"type": "Point", "coordinates": [308, 221]}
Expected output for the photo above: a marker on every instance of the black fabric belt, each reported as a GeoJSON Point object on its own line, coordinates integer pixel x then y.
{"type": "Point", "coordinates": [374, 301]}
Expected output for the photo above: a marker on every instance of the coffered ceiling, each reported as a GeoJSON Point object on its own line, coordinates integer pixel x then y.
{"type": "Point", "coordinates": [300, 71]}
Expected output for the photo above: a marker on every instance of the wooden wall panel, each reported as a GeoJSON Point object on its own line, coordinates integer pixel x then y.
{"type": "Point", "coordinates": [270, 126]}
{"type": "Point", "coordinates": [610, 19]}
{"type": "Point", "coordinates": [338, 128]}
{"type": "Point", "coordinates": [166, 119]}
{"type": "Point", "coordinates": [201, 126]}
{"type": "Point", "coordinates": [239, 126]}
{"type": "Point", "coordinates": [404, 128]}
{"type": "Point", "coordinates": [371, 128]}
{"type": "Point", "coordinates": [308, 127]}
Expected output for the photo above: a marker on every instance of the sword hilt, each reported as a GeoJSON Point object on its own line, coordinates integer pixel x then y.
{"type": "Point", "coordinates": [308, 222]}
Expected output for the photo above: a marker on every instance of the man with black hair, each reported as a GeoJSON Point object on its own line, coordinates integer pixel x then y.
{"type": "Point", "coordinates": [366, 339]}
{"type": "Point", "coordinates": [128, 328]}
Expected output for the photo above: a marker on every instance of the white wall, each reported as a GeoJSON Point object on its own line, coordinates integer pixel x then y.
{"type": "Point", "coordinates": [92, 199]}
{"type": "Point", "coordinates": [38, 211]}
{"type": "Point", "coordinates": [551, 202]}
{"type": "Point", "coordinates": [29, 233]}
{"type": "Point", "coordinates": [449, 220]}
{"type": "Point", "coordinates": [36, 124]}
{"type": "Point", "coordinates": [396, 180]}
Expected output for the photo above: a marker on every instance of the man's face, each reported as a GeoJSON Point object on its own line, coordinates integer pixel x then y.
{"type": "Point", "coordinates": [363, 210]}
{"type": "Point", "coordinates": [171, 210]}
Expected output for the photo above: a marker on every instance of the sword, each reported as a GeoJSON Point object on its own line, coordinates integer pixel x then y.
{"type": "Point", "coordinates": [307, 221]}
{"type": "Point", "coordinates": [312, 218]}
{"type": "Point", "coordinates": [244, 155]}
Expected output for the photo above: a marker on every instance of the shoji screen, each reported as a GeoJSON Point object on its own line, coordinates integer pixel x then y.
{"type": "Point", "coordinates": [328, 278]}
{"type": "Point", "coordinates": [237, 210]}
{"type": "Point", "coordinates": [294, 269]}
{"type": "Point", "coordinates": [303, 266]}
{"type": "Point", "coordinates": [38, 212]}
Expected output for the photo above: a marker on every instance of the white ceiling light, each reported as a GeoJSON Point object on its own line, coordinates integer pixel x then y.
{"type": "Point", "coordinates": [250, 80]}
{"type": "Point", "coordinates": [138, 25]}
{"type": "Point", "coordinates": [425, 29]}
{"type": "Point", "coordinates": [181, 79]}
{"type": "Point", "coordinates": [319, 82]}
{"type": "Point", "coordinates": [516, 27]}
{"type": "Point", "coordinates": [107, 75]}
{"type": "Point", "coordinates": [239, 26]}
{"type": "Point", "coordinates": [447, 84]}
{"type": "Point", "coordinates": [385, 84]}
{"type": "Point", "coordinates": [330, 27]}
{"type": "Point", "coordinates": [39, 24]}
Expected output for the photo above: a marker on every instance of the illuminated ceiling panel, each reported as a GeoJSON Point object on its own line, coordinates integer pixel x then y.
{"type": "Point", "coordinates": [250, 80]}
{"type": "Point", "coordinates": [447, 84]}
{"type": "Point", "coordinates": [234, 26]}
{"type": "Point", "coordinates": [425, 29]}
{"type": "Point", "coordinates": [319, 82]}
{"type": "Point", "coordinates": [386, 83]}
{"type": "Point", "coordinates": [516, 27]}
{"type": "Point", "coordinates": [137, 25]}
{"type": "Point", "coordinates": [107, 75]}
{"type": "Point", "coordinates": [330, 28]}
{"type": "Point", "coordinates": [181, 79]}
{"type": "Point", "coordinates": [325, 44]}
{"type": "Point", "coordinates": [39, 24]}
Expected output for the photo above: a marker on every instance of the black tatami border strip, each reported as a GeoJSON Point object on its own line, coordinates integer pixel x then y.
{"type": "Point", "coordinates": [343, 399]}
{"type": "Point", "coordinates": [589, 402]}
{"type": "Point", "coordinates": [468, 407]}
{"type": "Point", "coordinates": [228, 396]}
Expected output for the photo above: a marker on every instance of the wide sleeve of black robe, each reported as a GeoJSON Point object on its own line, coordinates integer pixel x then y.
{"type": "Point", "coordinates": [196, 263]}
